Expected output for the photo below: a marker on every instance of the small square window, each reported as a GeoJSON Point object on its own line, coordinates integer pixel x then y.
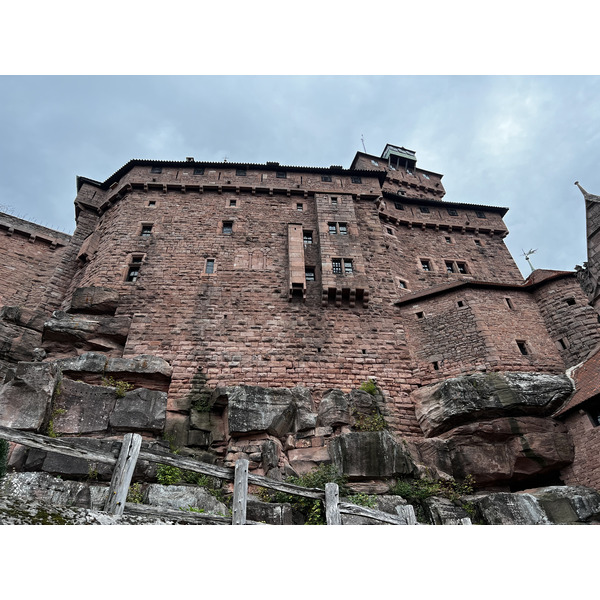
{"type": "Point", "coordinates": [449, 267]}
{"type": "Point", "coordinates": [390, 230]}
{"type": "Point", "coordinates": [343, 228]}
{"type": "Point", "coordinates": [462, 267]}
{"type": "Point", "coordinates": [477, 242]}
{"type": "Point", "coordinates": [309, 273]}
{"type": "Point", "coordinates": [448, 240]}
{"type": "Point", "coordinates": [334, 201]}
{"type": "Point", "coordinates": [151, 202]}
{"type": "Point", "coordinates": [570, 301]}
{"type": "Point", "coordinates": [336, 265]}
{"type": "Point", "coordinates": [326, 178]}
{"type": "Point", "coordinates": [356, 179]}
{"type": "Point", "coordinates": [156, 170]}
{"type": "Point", "coordinates": [424, 209]}
{"type": "Point", "coordinates": [479, 214]}
{"type": "Point", "coordinates": [240, 172]}
{"type": "Point", "coordinates": [398, 206]}
{"type": "Point", "coordinates": [199, 171]}
{"type": "Point", "coordinates": [452, 212]}
{"type": "Point", "coordinates": [281, 175]}
{"type": "Point", "coordinates": [233, 203]}
{"type": "Point", "coordinates": [332, 227]}
{"type": "Point", "coordinates": [227, 227]}
{"type": "Point", "coordinates": [299, 207]}
{"type": "Point", "coordinates": [146, 230]}
{"type": "Point", "coordinates": [402, 284]}
{"type": "Point", "coordinates": [420, 315]}
{"type": "Point", "coordinates": [210, 266]}
{"type": "Point", "coordinates": [460, 304]}
{"type": "Point", "coordinates": [425, 265]}
{"type": "Point", "coordinates": [522, 347]}
{"type": "Point", "coordinates": [348, 268]}
{"type": "Point", "coordinates": [308, 237]}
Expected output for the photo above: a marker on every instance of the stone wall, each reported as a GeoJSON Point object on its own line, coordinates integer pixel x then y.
{"type": "Point", "coordinates": [584, 469]}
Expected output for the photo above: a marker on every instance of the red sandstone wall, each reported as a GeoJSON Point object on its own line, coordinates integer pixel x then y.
{"type": "Point", "coordinates": [29, 254]}
{"type": "Point", "coordinates": [585, 469]}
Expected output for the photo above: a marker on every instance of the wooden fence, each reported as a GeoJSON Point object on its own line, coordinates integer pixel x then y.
{"type": "Point", "coordinates": [132, 451]}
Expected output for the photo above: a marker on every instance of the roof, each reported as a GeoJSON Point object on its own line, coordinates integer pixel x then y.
{"type": "Point", "coordinates": [587, 382]}
{"type": "Point", "coordinates": [379, 158]}
{"type": "Point", "coordinates": [269, 166]}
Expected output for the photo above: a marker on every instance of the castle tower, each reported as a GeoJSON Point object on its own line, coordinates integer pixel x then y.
{"type": "Point", "coordinates": [589, 274]}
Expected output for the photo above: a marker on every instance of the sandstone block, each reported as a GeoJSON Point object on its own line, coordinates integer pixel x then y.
{"type": "Point", "coordinates": [184, 496]}
{"type": "Point", "coordinates": [94, 300]}
{"type": "Point", "coordinates": [504, 508]}
{"type": "Point", "coordinates": [334, 409]}
{"type": "Point", "coordinates": [140, 410]}
{"type": "Point", "coordinates": [569, 504]}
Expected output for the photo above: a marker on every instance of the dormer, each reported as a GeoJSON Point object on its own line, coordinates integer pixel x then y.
{"type": "Point", "coordinates": [398, 156]}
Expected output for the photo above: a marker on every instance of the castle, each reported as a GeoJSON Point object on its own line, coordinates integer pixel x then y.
{"type": "Point", "coordinates": [315, 280]}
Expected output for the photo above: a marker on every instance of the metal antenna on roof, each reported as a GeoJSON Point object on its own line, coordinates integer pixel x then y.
{"type": "Point", "coordinates": [362, 139]}
{"type": "Point", "coordinates": [527, 255]}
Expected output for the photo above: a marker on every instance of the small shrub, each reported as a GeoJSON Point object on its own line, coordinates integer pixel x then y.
{"type": "Point", "coordinates": [369, 386]}
{"type": "Point", "coordinates": [374, 422]}
{"type": "Point", "coordinates": [168, 475]}
{"type": "Point", "coordinates": [363, 500]}
{"type": "Point", "coordinates": [135, 494]}
{"type": "Point", "coordinates": [3, 457]}
{"type": "Point", "coordinates": [121, 387]}
{"type": "Point", "coordinates": [420, 489]}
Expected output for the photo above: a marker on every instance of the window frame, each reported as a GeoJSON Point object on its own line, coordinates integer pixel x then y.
{"type": "Point", "coordinates": [227, 225]}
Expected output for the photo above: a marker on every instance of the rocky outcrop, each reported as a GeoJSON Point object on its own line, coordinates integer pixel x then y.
{"type": "Point", "coordinates": [140, 410]}
{"type": "Point", "coordinates": [483, 396]}
{"type": "Point", "coordinates": [184, 497]}
{"type": "Point", "coordinates": [568, 504]}
{"type": "Point", "coordinates": [94, 300]}
{"type": "Point", "coordinates": [441, 511]}
{"type": "Point", "coordinates": [370, 454]}
{"type": "Point", "coordinates": [500, 450]}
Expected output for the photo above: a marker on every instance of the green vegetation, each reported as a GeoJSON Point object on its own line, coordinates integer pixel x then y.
{"type": "Point", "coordinates": [363, 500]}
{"type": "Point", "coordinates": [420, 489]}
{"type": "Point", "coordinates": [135, 494]}
{"type": "Point", "coordinates": [51, 432]}
{"type": "Point", "coordinates": [3, 457]}
{"type": "Point", "coordinates": [167, 475]}
{"type": "Point", "coordinates": [121, 387]}
{"type": "Point", "coordinates": [312, 510]}
{"type": "Point", "coordinates": [369, 386]}
{"type": "Point", "coordinates": [372, 422]}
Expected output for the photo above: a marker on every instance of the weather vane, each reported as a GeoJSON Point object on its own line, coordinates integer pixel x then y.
{"type": "Point", "coordinates": [527, 255]}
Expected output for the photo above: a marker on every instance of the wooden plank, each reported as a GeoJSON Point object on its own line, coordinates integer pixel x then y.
{"type": "Point", "coordinates": [179, 515]}
{"type": "Point", "coordinates": [240, 492]}
{"type": "Point", "coordinates": [371, 513]}
{"type": "Point", "coordinates": [119, 484]}
{"type": "Point", "coordinates": [68, 447]}
{"type": "Point", "coordinates": [332, 498]}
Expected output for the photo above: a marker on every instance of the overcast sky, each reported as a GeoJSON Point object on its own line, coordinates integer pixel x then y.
{"type": "Point", "coordinates": [515, 141]}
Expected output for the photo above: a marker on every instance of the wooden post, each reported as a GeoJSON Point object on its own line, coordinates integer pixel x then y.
{"type": "Point", "coordinates": [240, 492]}
{"type": "Point", "coordinates": [119, 484]}
{"type": "Point", "coordinates": [332, 509]}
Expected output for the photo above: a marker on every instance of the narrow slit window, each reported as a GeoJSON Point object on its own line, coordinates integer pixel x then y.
{"type": "Point", "coordinates": [151, 202]}
{"type": "Point", "coordinates": [480, 214]}
{"type": "Point", "coordinates": [156, 170]}
{"type": "Point", "coordinates": [436, 365]}
{"type": "Point", "coordinates": [478, 242]}
{"type": "Point", "coordinates": [402, 284]}
{"type": "Point", "coordinates": [522, 347]}
{"type": "Point", "coordinates": [398, 206]}
{"type": "Point", "coordinates": [448, 240]}
{"type": "Point", "coordinates": [210, 266]}
{"type": "Point", "coordinates": [562, 344]}
{"type": "Point", "coordinates": [509, 303]}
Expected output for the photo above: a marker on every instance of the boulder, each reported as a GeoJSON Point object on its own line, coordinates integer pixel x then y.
{"type": "Point", "coordinates": [442, 511]}
{"type": "Point", "coordinates": [370, 454]}
{"type": "Point", "coordinates": [276, 411]}
{"type": "Point", "coordinates": [140, 410]}
{"type": "Point", "coordinates": [144, 364]}
{"type": "Point", "coordinates": [94, 300]}
{"type": "Point", "coordinates": [88, 362]}
{"type": "Point", "coordinates": [269, 513]}
{"type": "Point", "coordinates": [41, 487]}
{"type": "Point", "coordinates": [500, 450]}
{"type": "Point", "coordinates": [26, 399]}
{"type": "Point", "coordinates": [334, 409]}
{"type": "Point", "coordinates": [568, 504]}
{"type": "Point", "coordinates": [443, 406]}
{"type": "Point", "coordinates": [394, 505]}
{"type": "Point", "coordinates": [504, 508]}
{"type": "Point", "coordinates": [81, 408]}
{"type": "Point", "coordinates": [184, 497]}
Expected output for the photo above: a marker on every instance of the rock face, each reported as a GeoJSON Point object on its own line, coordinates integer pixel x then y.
{"type": "Point", "coordinates": [482, 396]}
{"type": "Point", "coordinates": [442, 511]}
{"type": "Point", "coordinates": [25, 400]}
{"type": "Point", "coordinates": [276, 411]}
{"type": "Point", "coordinates": [184, 496]}
{"type": "Point", "coordinates": [569, 504]}
{"type": "Point", "coordinates": [140, 410]}
{"type": "Point", "coordinates": [94, 300]}
{"type": "Point", "coordinates": [510, 509]}
{"type": "Point", "coordinates": [370, 454]}
{"type": "Point", "coordinates": [500, 450]}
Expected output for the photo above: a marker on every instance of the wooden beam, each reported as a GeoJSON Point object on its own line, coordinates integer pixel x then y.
{"type": "Point", "coordinates": [371, 513]}
{"type": "Point", "coordinates": [119, 484]}
{"type": "Point", "coordinates": [240, 492]}
{"type": "Point", "coordinates": [332, 498]}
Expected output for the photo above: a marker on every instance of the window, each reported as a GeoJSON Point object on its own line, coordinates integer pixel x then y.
{"type": "Point", "coordinates": [425, 264]}
{"type": "Point", "coordinates": [336, 264]}
{"type": "Point", "coordinates": [210, 266]}
{"type": "Point", "coordinates": [562, 345]}
{"type": "Point", "coordinates": [199, 171]}
{"type": "Point", "coordinates": [326, 178]}
{"type": "Point", "coordinates": [509, 303]}
{"type": "Point", "coordinates": [593, 410]}
{"type": "Point", "coordinates": [462, 267]}
{"type": "Point", "coordinates": [299, 207]}
{"type": "Point", "coordinates": [436, 365]}
{"type": "Point", "coordinates": [522, 347]}
{"type": "Point", "coordinates": [334, 201]}
{"type": "Point", "coordinates": [227, 227]}
{"type": "Point", "coordinates": [281, 175]}
{"type": "Point", "coordinates": [452, 212]}
{"type": "Point", "coordinates": [420, 315]}
{"type": "Point", "coordinates": [449, 267]}
{"type": "Point", "coordinates": [389, 230]}
{"type": "Point", "coordinates": [448, 240]}
{"type": "Point", "coordinates": [233, 203]}
{"type": "Point", "coordinates": [477, 242]}
{"type": "Point", "coordinates": [308, 238]}
{"type": "Point", "coordinates": [151, 202]}
{"type": "Point", "coordinates": [156, 170]}
{"type": "Point", "coordinates": [402, 284]}
{"type": "Point", "coordinates": [356, 179]}
{"type": "Point", "coordinates": [398, 206]}
{"type": "Point", "coordinates": [460, 304]}
{"type": "Point", "coordinates": [332, 227]}
{"type": "Point", "coordinates": [424, 209]}
{"type": "Point", "coordinates": [479, 214]}
{"type": "Point", "coordinates": [374, 163]}
{"type": "Point", "coordinates": [134, 269]}
{"type": "Point", "coordinates": [146, 230]}
{"type": "Point", "coordinates": [348, 266]}
{"type": "Point", "coordinates": [570, 301]}
{"type": "Point", "coordinates": [309, 273]}
{"type": "Point", "coordinates": [240, 172]}
{"type": "Point", "coordinates": [343, 228]}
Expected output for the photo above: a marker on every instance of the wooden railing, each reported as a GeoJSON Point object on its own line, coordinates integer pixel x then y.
{"type": "Point", "coordinates": [132, 451]}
